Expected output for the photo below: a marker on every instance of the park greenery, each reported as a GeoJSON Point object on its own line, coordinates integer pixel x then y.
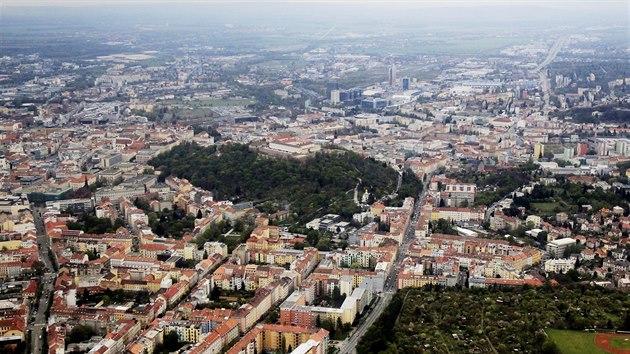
{"type": "Point", "coordinates": [494, 186]}
{"type": "Point", "coordinates": [241, 230]}
{"type": "Point", "coordinates": [410, 187]}
{"type": "Point", "coordinates": [80, 333]}
{"type": "Point", "coordinates": [314, 238]}
{"type": "Point", "coordinates": [171, 344]}
{"type": "Point", "coordinates": [93, 225]}
{"type": "Point", "coordinates": [320, 184]}
{"type": "Point", "coordinates": [171, 222]}
{"type": "Point", "coordinates": [569, 197]}
{"type": "Point", "coordinates": [499, 320]}
{"type": "Point", "coordinates": [623, 166]}
{"type": "Point", "coordinates": [442, 226]}
{"type": "Point", "coordinates": [110, 297]}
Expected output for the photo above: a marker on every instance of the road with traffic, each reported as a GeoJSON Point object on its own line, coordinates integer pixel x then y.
{"type": "Point", "coordinates": [348, 346]}
{"type": "Point", "coordinates": [542, 73]}
{"type": "Point", "coordinates": [38, 326]}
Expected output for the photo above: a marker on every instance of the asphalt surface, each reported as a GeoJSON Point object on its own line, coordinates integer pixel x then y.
{"type": "Point", "coordinates": [542, 74]}
{"type": "Point", "coordinates": [39, 325]}
{"type": "Point", "coordinates": [348, 346]}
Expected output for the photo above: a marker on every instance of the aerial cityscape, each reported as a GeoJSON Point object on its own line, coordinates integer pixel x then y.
{"type": "Point", "coordinates": [314, 177]}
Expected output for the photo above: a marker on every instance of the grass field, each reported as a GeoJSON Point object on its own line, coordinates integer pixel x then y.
{"type": "Point", "coordinates": [574, 342]}
{"type": "Point", "coordinates": [620, 343]}
{"type": "Point", "coordinates": [546, 207]}
{"type": "Point", "coordinates": [234, 235]}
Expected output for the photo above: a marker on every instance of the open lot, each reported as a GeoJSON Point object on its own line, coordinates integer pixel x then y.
{"type": "Point", "coordinates": [547, 208]}
{"type": "Point", "coordinates": [575, 342]}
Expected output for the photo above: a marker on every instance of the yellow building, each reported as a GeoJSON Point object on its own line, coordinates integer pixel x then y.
{"type": "Point", "coordinates": [11, 245]}
{"type": "Point", "coordinates": [284, 258]}
{"type": "Point", "coordinates": [377, 209]}
{"type": "Point", "coordinates": [539, 151]}
{"type": "Point", "coordinates": [7, 226]}
{"type": "Point", "coordinates": [415, 281]}
{"type": "Point", "coordinates": [186, 332]}
{"type": "Point", "coordinates": [275, 337]}
{"type": "Point", "coordinates": [189, 251]}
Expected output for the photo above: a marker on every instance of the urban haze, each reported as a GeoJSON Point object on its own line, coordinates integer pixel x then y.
{"type": "Point", "coordinates": [314, 177]}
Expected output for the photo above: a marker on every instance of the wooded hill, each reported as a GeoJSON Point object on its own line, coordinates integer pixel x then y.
{"type": "Point", "coordinates": [321, 184]}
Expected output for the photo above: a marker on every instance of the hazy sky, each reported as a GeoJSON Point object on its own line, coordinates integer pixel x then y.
{"type": "Point", "coordinates": [277, 12]}
{"type": "Point", "coordinates": [617, 4]}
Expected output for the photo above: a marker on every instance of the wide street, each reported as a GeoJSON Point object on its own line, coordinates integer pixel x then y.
{"type": "Point", "coordinates": [542, 73]}
{"type": "Point", "coordinates": [349, 345]}
{"type": "Point", "coordinates": [38, 327]}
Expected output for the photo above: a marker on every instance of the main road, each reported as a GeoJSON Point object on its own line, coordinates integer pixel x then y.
{"type": "Point", "coordinates": [38, 328]}
{"type": "Point", "coordinates": [542, 73]}
{"type": "Point", "coordinates": [349, 345]}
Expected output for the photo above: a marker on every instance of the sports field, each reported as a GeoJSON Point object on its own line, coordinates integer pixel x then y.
{"type": "Point", "coordinates": [577, 342]}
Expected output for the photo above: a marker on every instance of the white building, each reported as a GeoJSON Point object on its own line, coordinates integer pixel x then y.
{"type": "Point", "coordinates": [559, 265]}
{"type": "Point", "coordinates": [557, 247]}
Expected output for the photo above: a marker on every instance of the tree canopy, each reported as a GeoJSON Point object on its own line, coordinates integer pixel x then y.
{"type": "Point", "coordinates": [320, 184]}
{"type": "Point", "coordinates": [478, 320]}
{"type": "Point", "coordinates": [93, 225]}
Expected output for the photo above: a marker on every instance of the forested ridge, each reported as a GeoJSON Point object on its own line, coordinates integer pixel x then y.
{"type": "Point", "coordinates": [323, 183]}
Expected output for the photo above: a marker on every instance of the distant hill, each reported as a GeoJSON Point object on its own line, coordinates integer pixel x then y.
{"type": "Point", "coordinates": [320, 184]}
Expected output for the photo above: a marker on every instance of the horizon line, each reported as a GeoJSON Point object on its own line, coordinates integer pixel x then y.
{"type": "Point", "coordinates": [438, 3]}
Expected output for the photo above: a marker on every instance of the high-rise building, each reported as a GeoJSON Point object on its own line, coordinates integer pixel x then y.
{"type": "Point", "coordinates": [330, 87]}
{"type": "Point", "coordinates": [582, 149]}
{"type": "Point", "coordinates": [602, 148]}
{"type": "Point", "coordinates": [374, 103]}
{"type": "Point", "coordinates": [568, 153]}
{"type": "Point", "coordinates": [405, 83]}
{"type": "Point", "coordinates": [335, 97]}
{"type": "Point", "coordinates": [621, 147]}
{"type": "Point", "coordinates": [392, 75]}
{"type": "Point", "coordinates": [350, 95]}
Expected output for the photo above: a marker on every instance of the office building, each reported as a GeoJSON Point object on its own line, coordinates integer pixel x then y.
{"type": "Point", "coordinates": [374, 103]}
{"type": "Point", "coordinates": [392, 75]}
{"type": "Point", "coordinates": [568, 153]}
{"type": "Point", "coordinates": [581, 149]}
{"type": "Point", "coordinates": [330, 87]}
{"type": "Point", "coordinates": [405, 83]}
{"type": "Point", "coordinates": [335, 97]}
{"type": "Point", "coordinates": [557, 247]}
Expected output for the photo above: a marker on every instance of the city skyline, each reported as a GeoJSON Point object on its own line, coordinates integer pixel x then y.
{"type": "Point", "coordinates": [314, 177]}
